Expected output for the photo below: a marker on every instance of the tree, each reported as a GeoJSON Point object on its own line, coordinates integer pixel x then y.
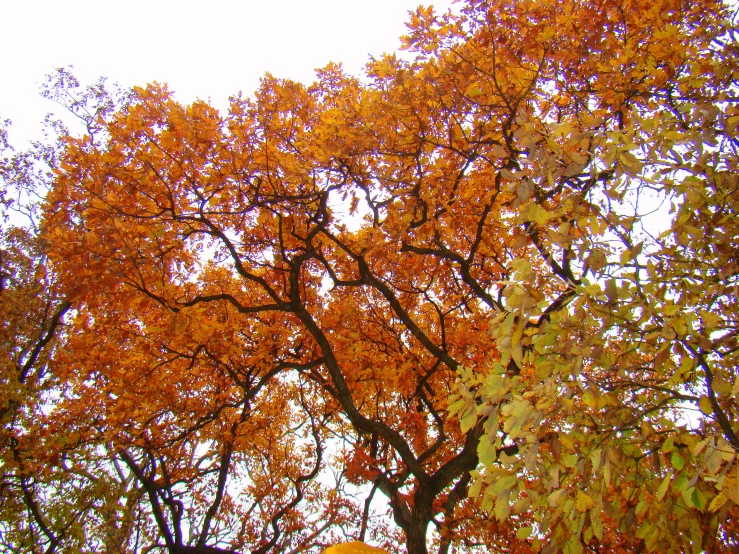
{"type": "Point", "coordinates": [54, 492]}
{"type": "Point", "coordinates": [496, 284]}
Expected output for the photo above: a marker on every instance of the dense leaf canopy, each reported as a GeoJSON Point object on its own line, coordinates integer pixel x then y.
{"type": "Point", "coordinates": [484, 298]}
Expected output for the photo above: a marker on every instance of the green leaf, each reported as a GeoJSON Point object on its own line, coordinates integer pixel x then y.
{"type": "Point", "coordinates": [644, 530]}
{"type": "Point", "coordinates": [699, 499]}
{"type": "Point", "coordinates": [524, 533]}
{"type": "Point", "coordinates": [678, 462]}
{"type": "Point", "coordinates": [573, 546]}
{"type": "Point", "coordinates": [570, 461]}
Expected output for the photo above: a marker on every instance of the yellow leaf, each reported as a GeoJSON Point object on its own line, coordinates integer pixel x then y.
{"type": "Point", "coordinates": [731, 486]}
{"type": "Point", "coordinates": [646, 429]}
{"type": "Point", "coordinates": [470, 418]}
{"type": "Point", "coordinates": [670, 309]}
{"type": "Point", "coordinates": [504, 484]}
{"type": "Point", "coordinates": [597, 524]}
{"type": "Point", "coordinates": [583, 502]}
{"type": "Point", "coordinates": [517, 334]}
{"type": "Point", "coordinates": [502, 507]}
{"type": "Point", "coordinates": [596, 259]}
{"type": "Point", "coordinates": [721, 385]}
{"type": "Point", "coordinates": [554, 498]}
{"type": "Point", "coordinates": [595, 458]}
{"type": "Point", "coordinates": [521, 268]}
{"type": "Point", "coordinates": [486, 452]}
{"type": "Point", "coordinates": [718, 501]}
{"type": "Point", "coordinates": [521, 505]}
{"type": "Point", "coordinates": [590, 399]}
{"type": "Point", "coordinates": [353, 547]}
{"type": "Point", "coordinates": [536, 214]}
{"type": "Point", "coordinates": [663, 486]}
{"type": "Point", "coordinates": [473, 90]}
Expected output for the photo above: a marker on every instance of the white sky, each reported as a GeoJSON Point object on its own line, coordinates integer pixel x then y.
{"type": "Point", "coordinates": [209, 50]}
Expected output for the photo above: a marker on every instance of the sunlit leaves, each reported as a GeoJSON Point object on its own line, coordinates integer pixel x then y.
{"type": "Point", "coordinates": [498, 281]}
{"type": "Point", "coordinates": [630, 349]}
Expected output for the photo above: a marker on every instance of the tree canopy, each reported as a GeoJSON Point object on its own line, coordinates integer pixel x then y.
{"type": "Point", "coordinates": [482, 298]}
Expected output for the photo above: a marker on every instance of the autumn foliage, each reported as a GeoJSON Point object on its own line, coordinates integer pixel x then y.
{"type": "Point", "coordinates": [482, 299]}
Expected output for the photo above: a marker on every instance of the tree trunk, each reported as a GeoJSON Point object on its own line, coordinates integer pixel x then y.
{"type": "Point", "coordinates": [420, 519]}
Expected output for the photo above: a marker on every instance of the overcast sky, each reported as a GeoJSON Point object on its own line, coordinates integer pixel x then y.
{"type": "Point", "coordinates": [209, 50]}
